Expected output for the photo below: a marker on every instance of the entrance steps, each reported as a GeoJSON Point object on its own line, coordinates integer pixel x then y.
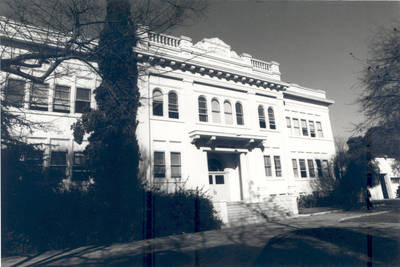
{"type": "Point", "coordinates": [243, 213]}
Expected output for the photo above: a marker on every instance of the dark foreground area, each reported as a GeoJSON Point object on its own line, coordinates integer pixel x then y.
{"type": "Point", "coordinates": [334, 239]}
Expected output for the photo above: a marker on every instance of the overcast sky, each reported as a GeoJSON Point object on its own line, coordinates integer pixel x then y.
{"type": "Point", "coordinates": [311, 40]}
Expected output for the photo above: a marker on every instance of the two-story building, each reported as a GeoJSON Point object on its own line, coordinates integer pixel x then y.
{"type": "Point", "coordinates": [209, 119]}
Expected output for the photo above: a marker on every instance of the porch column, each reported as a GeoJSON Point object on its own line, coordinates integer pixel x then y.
{"type": "Point", "coordinates": [243, 175]}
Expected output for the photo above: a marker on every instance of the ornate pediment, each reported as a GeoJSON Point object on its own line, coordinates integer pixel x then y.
{"type": "Point", "coordinates": [216, 46]}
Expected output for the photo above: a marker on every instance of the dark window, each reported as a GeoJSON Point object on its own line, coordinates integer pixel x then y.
{"type": "Point", "coordinates": [295, 168]}
{"type": "Point", "coordinates": [219, 179]}
{"type": "Point", "coordinates": [319, 167]}
{"type": "Point", "coordinates": [278, 167]}
{"type": "Point", "coordinates": [210, 179]}
{"type": "Point", "coordinates": [271, 118]}
{"type": "Point", "coordinates": [15, 92]}
{"type": "Point", "coordinates": [312, 128]}
{"type": "Point", "coordinates": [61, 98]}
{"type": "Point", "coordinates": [79, 167]}
{"type": "Point", "coordinates": [214, 165]}
{"type": "Point", "coordinates": [304, 128]}
{"type": "Point", "coordinates": [159, 164]}
{"type": "Point", "coordinates": [58, 162]}
{"type": "Point", "coordinates": [82, 102]}
{"type": "Point", "coordinates": [215, 109]}
{"type": "Point", "coordinates": [175, 164]}
{"type": "Point", "coordinates": [311, 170]}
{"type": "Point", "coordinates": [289, 125]}
{"type": "Point", "coordinates": [303, 170]}
{"type": "Point", "coordinates": [39, 97]}
{"type": "Point", "coordinates": [325, 168]}
{"type": "Point", "coordinates": [261, 117]}
{"type": "Point", "coordinates": [203, 109]}
{"type": "Point", "coordinates": [173, 109]}
{"type": "Point", "coordinates": [239, 113]}
{"type": "Point", "coordinates": [267, 166]}
{"type": "Point", "coordinates": [157, 103]}
{"type": "Point", "coordinates": [34, 159]}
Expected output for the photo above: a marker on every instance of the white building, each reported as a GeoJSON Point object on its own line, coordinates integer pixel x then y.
{"type": "Point", "coordinates": [209, 119]}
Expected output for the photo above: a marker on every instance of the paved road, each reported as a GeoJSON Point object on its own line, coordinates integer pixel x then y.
{"type": "Point", "coordinates": [335, 239]}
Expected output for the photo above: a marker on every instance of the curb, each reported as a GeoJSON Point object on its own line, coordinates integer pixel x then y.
{"type": "Point", "coordinates": [363, 215]}
{"type": "Point", "coordinates": [316, 213]}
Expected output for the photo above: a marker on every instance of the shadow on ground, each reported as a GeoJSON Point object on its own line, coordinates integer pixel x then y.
{"type": "Point", "coordinates": [329, 246]}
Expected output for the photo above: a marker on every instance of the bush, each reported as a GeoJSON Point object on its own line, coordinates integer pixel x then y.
{"type": "Point", "coordinates": [316, 199]}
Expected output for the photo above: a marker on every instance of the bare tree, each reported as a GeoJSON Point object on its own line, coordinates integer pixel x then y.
{"type": "Point", "coordinates": [380, 100]}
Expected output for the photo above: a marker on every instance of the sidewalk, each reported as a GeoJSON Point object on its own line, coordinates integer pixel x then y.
{"type": "Point", "coordinates": [322, 235]}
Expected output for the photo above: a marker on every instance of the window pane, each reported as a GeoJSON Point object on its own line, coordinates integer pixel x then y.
{"type": "Point", "coordinates": [303, 170]}
{"type": "Point", "coordinates": [278, 168]}
{"type": "Point", "coordinates": [173, 106]}
{"type": "Point", "coordinates": [39, 96]}
{"type": "Point", "coordinates": [58, 158]}
{"type": "Point", "coordinates": [312, 128]}
{"type": "Point", "coordinates": [175, 164]}
{"type": "Point", "coordinates": [319, 167]}
{"type": "Point", "coordinates": [157, 103]}
{"type": "Point", "coordinates": [271, 118]}
{"type": "Point", "coordinates": [215, 111]}
{"type": "Point", "coordinates": [295, 168]}
{"type": "Point", "coordinates": [228, 113]}
{"type": "Point", "coordinates": [239, 113]}
{"type": "Point", "coordinates": [296, 127]}
{"type": "Point", "coordinates": [203, 109]}
{"type": "Point", "coordinates": [210, 179]}
{"type": "Point", "coordinates": [304, 127]}
{"type": "Point", "coordinates": [159, 164]}
{"type": "Point", "coordinates": [219, 179]}
{"type": "Point", "coordinates": [325, 168]}
{"type": "Point", "coordinates": [267, 165]}
{"type": "Point", "coordinates": [319, 129]}
{"type": "Point", "coordinates": [261, 117]}
{"type": "Point", "coordinates": [15, 92]}
{"type": "Point", "coordinates": [61, 99]}
{"type": "Point", "coordinates": [83, 94]}
{"type": "Point", "coordinates": [311, 167]}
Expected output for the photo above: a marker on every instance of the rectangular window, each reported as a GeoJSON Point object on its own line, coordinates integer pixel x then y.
{"type": "Point", "coordinates": [319, 167]}
{"type": "Point", "coordinates": [278, 167]}
{"type": "Point", "coordinates": [34, 158]}
{"type": "Point", "coordinates": [39, 97]}
{"type": "Point", "coordinates": [304, 128]}
{"type": "Point", "coordinates": [58, 162]}
{"type": "Point", "coordinates": [79, 167]}
{"type": "Point", "coordinates": [312, 128]}
{"type": "Point", "coordinates": [219, 179]}
{"type": "Point", "coordinates": [325, 168]}
{"type": "Point", "coordinates": [15, 92]}
{"type": "Point", "coordinates": [267, 166]}
{"type": "Point", "coordinates": [175, 164]}
{"type": "Point", "coordinates": [203, 109]}
{"type": "Point", "coordinates": [319, 129]}
{"type": "Point", "coordinates": [82, 101]}
{"type": "Point", "coordinates": [289, 125]}
{"type": "Point", "coordinates": [159, 164]}
{"type": "Point", "coordinates": [311, 170]}
{"type": "Point", "coordinates": [61, 98]}
{"type": "Point", "coordinates": [295, 168]}
{"type": "Point", "coordinates": [303, 170]}
{"type": "Point", "coordinates": [296, 127]}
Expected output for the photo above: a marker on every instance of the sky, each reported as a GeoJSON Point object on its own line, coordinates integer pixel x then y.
{"type": "Point", "coordinates": [312, 41]}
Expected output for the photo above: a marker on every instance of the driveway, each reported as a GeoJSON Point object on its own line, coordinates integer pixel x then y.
{"type": "Point", "coordinates": [338, 238]}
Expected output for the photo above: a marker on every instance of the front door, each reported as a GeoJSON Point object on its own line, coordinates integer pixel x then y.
{"type": "Point", "coordinates": [218, 180]}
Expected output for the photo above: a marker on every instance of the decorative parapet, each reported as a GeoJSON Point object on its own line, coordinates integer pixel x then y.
{"type": "Point", "coordinates": [164, 39]}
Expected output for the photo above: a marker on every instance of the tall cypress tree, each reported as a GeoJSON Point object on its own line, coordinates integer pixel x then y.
{"type": "Point", "coordinates": [113, 148]}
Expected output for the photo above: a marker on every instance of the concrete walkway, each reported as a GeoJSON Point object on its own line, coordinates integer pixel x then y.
{"type": "Point", "coordinates": [325, 239]}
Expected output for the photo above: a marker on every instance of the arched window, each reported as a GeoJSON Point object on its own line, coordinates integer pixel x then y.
{"type": "Point", "coordinates": [215, 111]}
{"type": "Point", "coordinates": [157, 103]}
{"type": "Point", "coordinates": [202, 109]}
{"type": "Point", "coordinates": [173, 111]}
{"type": "Point", "coordinates": [271, 118]}
{"type": "Point", "coordinates": [228, 112]}
{"type": "Point", "coordinates": [239, 113]}
{"type": "Point", "coordinates": [261, 117]}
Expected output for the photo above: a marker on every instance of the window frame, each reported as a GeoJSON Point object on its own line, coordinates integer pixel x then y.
{"type": "Point", "coordinates": [261, 117]}
{"type": "Point", "coordinates": [296, 127]}
{"type": "Point", "coordinates": [318, 162]}
{"type": "Point", "coordinates": [239, 113]}
{"type": "Point", "coordinates": [271, 118]}
{"type": "Point", "coordinates": [82, 105]}
{"type": "Point", "coordinates": [54, 166]}
{"type": "Point", "coordinates": [312, 129]}
{"type": "Point", "coordinates": [303, 171]}
{"type": "Point", "coordinates": [157, 103]}
{"type": "Point", "coordinates": [19, 99]}
{"type": "Point", "coordinates": [278, 166]}
{"type": "Point", "coordinates": [304, 127]}
{"type": "Point", "coordinates": [268, 165]}
{"type": "Point", "coordinates": [295, 167]}
{"type": "Point", "coordinates": [319, 129]}
{"type": "Point", "coordinates": [161, 165]}
{"type": "Point", "coordinates": [39, 105]}
{"type": "Point", "coordinates": [311, 168]}
{"type": "Point", "coordinates": [176, 165]}
{"type": "Point", "coordinates": [203, 111]}
{"type": "Point", "coordinates": [173, 108]}
{"type": "Point", "coordinates": [60, 101]}
{"type": "Point", "coordinates": [215, 113]}
{"type": "Point", "coordinates": [228, 115]}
